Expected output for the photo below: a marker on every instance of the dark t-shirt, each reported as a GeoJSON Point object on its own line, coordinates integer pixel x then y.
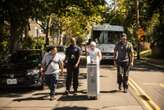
{"type": "Point", "coordinates": [73, 53]}
{"type": "Point", "coordinates": [123, 51]}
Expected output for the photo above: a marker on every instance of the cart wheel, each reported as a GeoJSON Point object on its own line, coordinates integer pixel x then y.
{"type": "Point", "coordinates": [92, 97]}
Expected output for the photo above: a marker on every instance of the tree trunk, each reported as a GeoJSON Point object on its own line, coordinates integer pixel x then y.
{"type": "Point", "coordinates": [13, 37]}
{"type": "Point", "coordinates": [15, 34]}
{"type": "Point", "coordinates": [27, 28]}
{"type": "Point", "coordinates": [47, 39]}
{"type": "Point", "coordinates": [48, 29]}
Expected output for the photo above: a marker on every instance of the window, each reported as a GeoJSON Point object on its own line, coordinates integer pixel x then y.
{"type": "Point", "coordinates": [106, 37]}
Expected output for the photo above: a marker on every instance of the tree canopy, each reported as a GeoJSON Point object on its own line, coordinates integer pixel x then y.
{"type": "Point", "coordinates": [151, 19]}
{"type": "Point", "coordinates": [76, 17]}
{"type": "Point", "coordinates": [17, 13]}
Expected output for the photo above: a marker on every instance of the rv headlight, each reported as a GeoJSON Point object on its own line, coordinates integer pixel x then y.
{"type": "Point", "coordinates": [32, 71]}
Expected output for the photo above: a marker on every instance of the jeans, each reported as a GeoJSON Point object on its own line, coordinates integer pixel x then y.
{"type": "Point", "coordinates": [51, 82]}
{"type": "Point", "coordinates": [123, 73]}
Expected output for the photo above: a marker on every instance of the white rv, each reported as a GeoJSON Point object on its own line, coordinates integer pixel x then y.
{"type": "Point", "coordinates": [106, 36]}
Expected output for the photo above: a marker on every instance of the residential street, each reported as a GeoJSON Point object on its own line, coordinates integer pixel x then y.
{"type": "Point", "coordinates": [81, 55]}
{"type": "Point", "coordinates": [110, 98]}
{"type": "Point", "coordinates": [149, 78]}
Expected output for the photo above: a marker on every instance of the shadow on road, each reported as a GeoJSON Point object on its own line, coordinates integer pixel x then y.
{"type": "Point", "coordinates": [139, 66]}
{"type": "Point", "coordinates": [37, 96]}
{"type": "Point", "coordinates": [82, 75]}
{"type": "Point", "coordinates": [71, 108]}
{"type": "Point", "coordinates": [73, 98]}
{"type": "Point", "coordinates": [112, 91]}
{"type": "Point", "coordinates": [10, 95]}
{"type": "Point", "coordinates": [46, 93]}
{"type": "Point", "coordinates": [45, 97]}
{"type": "Point", "coordinates": [14, 92]}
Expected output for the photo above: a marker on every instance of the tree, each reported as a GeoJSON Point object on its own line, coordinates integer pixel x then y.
{"type": "Point", "coordinates": [151, 19]}
{"type": "Point", "coordinates": [17, 13]}
{"type": "Point", "coordinates": [74, 20]}
{"type": "Point", "coordinates": [156, 25]}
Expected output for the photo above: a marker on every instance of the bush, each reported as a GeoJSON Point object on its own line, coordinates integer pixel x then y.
{"type": "Point", "coordinates": [35, 43]}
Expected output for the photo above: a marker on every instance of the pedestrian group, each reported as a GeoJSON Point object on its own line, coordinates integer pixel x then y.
{"type": "Point", "coordinates": [52, 65]}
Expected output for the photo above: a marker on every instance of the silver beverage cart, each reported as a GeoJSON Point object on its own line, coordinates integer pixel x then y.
{"type": "Point", "coordinates": [93, 80]}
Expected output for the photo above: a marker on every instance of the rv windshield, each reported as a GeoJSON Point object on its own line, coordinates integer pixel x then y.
{"type": "Point", "coordinates": [106, 37]}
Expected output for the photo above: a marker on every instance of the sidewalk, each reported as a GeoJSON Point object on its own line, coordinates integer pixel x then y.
{"type": "Point", "coordinates": [159, 63]}
{"type": "Point", "coordinates": [110, 98]}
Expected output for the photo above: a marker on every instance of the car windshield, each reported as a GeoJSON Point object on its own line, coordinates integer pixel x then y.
{"type": "Point", "coordinates": [106, 37]}
{"type": "Point", "coordinates": [25, 58]}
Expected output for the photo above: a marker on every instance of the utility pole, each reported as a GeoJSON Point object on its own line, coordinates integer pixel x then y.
{"type": "Point", "coordinates": [137, 28]}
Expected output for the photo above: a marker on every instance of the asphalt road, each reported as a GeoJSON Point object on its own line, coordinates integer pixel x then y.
{"type": "Point", "coordinates": [109, 99]}
{"type": "Point", "coordinates": [151, 80]}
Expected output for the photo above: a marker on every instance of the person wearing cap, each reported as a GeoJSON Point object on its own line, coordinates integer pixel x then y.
{"type": "Point", "coordinates": [72, 60]}
{"type": "Point", "coordinates": [50, 68]}
{"type": "Point", "coordinates": [123, 59]}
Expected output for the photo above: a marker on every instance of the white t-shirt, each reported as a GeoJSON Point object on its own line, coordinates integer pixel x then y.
{"type": "Point", "coordinates": [53, 67]}
{"type": "Point", "coordinates": [93, 54]}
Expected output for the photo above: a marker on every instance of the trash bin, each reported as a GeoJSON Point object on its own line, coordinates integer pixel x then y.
{"type": "Point", "coordinates": [92, 79]}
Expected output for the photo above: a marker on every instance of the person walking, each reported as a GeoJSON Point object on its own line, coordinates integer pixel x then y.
{"type": "Point", "coordinates": [94, 53]}
{"type": "Point", "coordinates": [50, 68]}
{"type": "Point", "coordinates": [123, 59]}
{"type": "Point", "coordinates": [73, 53]}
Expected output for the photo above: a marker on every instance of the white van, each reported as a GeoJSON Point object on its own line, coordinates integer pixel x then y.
{"type": "Point", "coordinates": [106, 36]}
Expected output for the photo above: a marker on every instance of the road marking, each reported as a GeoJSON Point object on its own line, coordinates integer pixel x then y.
{"type": "Point", "coordinates": [154, 84]}
{"type": "Point", "coordinates": [144, 98]}
{"type": "Point", "coordinates": [162, 85]}
{"type": "Point", "coordinates": [151, 84]}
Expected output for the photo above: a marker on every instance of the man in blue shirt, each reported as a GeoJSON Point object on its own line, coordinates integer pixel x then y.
{"type": "Point", "coordinates": [73, 53]}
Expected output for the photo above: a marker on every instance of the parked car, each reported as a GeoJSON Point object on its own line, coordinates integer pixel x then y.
{"type": "Point", "coordinates": [21, 69]}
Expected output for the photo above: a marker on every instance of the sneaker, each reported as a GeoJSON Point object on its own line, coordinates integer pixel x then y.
{"type": "Point", "coordinates": [125, 90]}
{"type": "Point", "coordinates": [52, 98]}
{"type": "Point", "coordinates": [67, 92]}
{"type": "Point", "coordinates": [75, 92]}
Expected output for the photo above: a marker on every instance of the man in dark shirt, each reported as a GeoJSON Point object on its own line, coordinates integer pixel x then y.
{"type": "Point", "coordinates": [73, 53]}
{"type": "Point", "coordinates": [123, 57]}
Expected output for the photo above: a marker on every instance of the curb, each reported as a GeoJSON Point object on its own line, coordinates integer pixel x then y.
{"type": "Point", "coordinates": [142, 97]}
{"type": "Point", "coordinates": [152, 64]}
